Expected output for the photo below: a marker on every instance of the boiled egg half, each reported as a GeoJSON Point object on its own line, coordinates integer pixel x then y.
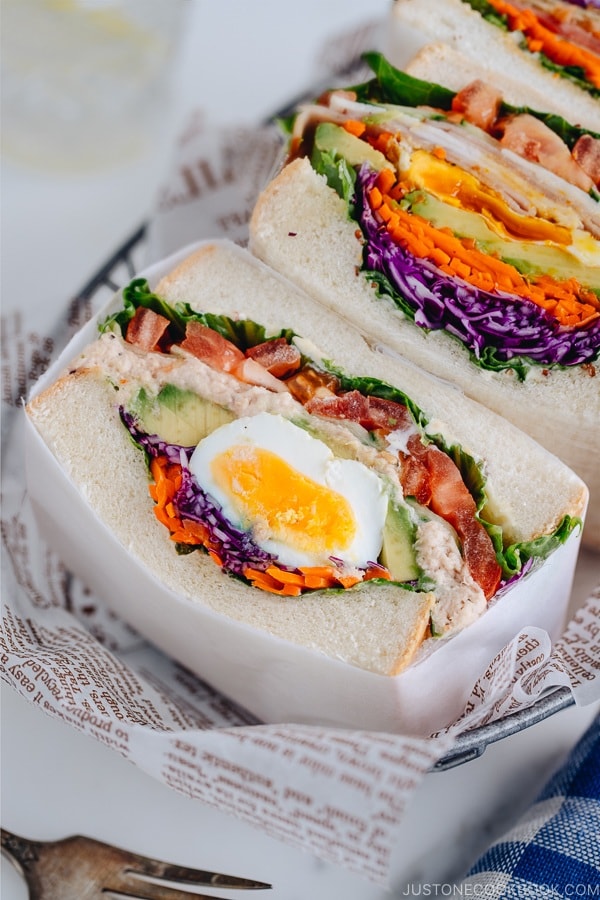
{"type": "Point", "coordinates": [300, 502]}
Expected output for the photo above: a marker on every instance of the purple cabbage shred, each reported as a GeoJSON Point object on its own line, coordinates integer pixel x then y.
{"type": "Point", "coordinates": [479, 319]}
{"type": "Point", "coordinates": [236, 548]}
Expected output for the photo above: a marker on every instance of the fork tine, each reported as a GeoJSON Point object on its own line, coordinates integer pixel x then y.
{"type": "Point", "coordinates": [142, 867]}
{"type": "Point", "coordinates": [54, 870]}
{"type": "Point", "coordinates": [151, 891]}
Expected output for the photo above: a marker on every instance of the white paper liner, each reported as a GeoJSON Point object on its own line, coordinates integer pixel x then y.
{"type": "Point", "coordinates": [339, 794]}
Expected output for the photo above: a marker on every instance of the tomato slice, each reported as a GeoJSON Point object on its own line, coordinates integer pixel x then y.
{"type": "Point", "coordinates": [479, 553]}
{"type": "Point", "coordinates": [479, 103]}
{"type": "Point", "coordinates": [276, 356]}
{"type": "Point", "coordinates": [146, 329]}
{"type": "Point", "coordinates": [415, 480]}
{"type": "Point", "coordinates": [211, 347]}
{"type": "Point", "coordinates": [450, 499]}
{"type": "Point", "coordinates": [586, 153]}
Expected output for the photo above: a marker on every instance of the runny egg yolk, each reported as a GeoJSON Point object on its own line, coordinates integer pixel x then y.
{"type": "Point", "coordinates": [282, 502]}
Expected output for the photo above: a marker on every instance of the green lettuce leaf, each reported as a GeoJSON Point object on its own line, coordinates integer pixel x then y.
{"type": "Point", "coordinates": [513, 558]}
{"type": "Point", "coordinates": [390, 85]}
{"type": "Point", "coordinates": [489, 13]}
{"type": "Point", "coordinates": [242, 332]}
{"type": "Point", "coordinates": [576, 74]}
{"type": "Point", "coordinates": [339, 174]}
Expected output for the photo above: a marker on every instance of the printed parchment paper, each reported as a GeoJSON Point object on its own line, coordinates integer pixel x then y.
{"type": "Point", "coordinates": [339, 794]}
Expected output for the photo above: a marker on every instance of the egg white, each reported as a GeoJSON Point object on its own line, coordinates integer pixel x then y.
{"type": "Point", "coordinates": [361, 487]}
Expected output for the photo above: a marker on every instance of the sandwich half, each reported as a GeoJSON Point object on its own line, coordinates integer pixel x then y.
{"type": "Point", "coordinates": [423, 216]}
{"type": "Point", "coordinates": [550, 47]}
{"type": "Point", "coordinates": [253, 453]}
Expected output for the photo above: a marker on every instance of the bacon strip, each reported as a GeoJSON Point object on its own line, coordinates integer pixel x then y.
{"type": "Point", "coordinates": [372, 413]}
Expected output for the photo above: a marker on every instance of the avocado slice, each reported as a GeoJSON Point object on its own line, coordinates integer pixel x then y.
{"type": "Point", "coordinates": [178, 416]}
{"type": "Point", "coordinates": [528, 257]}
{"type": "Point", "coordinates": [398, 552]}
{"type": "Point", "coordinates": [335, 139]}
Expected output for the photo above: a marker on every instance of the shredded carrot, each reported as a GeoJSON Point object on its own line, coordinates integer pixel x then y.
{"type": "Point", "coordinates": [216, 558]}
{"type": "Point", "coordinates": [322, 571]}
{"type": "Point", "coordinates": [386, 180]}
{"type": "Point", "coordinates": [348, 581]}
{"type": "Point", "coordinates": [281, 581]}
{"type": "Point", "coordinates": [285, 576]}
{"type": "Point", "coordinates": [314, 582]}
{"type": "Point", "coordinates": [380, 140]}
{"type": "Point", "coordinates": [540, 38]}
{"type": "Point", "coordinates": [167, 481]}
{"type": "Point", "coordinates": [354, 126]}
{"type": "Point", "coordinates": [377, 572]}
{"type": "Point", "coordinates": [375, 197]}
{"type": "Point", "coordinates": [271, 584]}
{"type": "Point", "coordinates": [568, 301]}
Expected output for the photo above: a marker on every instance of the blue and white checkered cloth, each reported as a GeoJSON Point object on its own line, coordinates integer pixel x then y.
{"type": "Point", "coordinates": [554, 850]}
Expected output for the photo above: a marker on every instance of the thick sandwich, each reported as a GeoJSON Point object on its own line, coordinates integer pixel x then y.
{"type": "Point", "coordinates": [258, 457]}
{"type": "Point", "coordinates": [452, 68]}
{"type": "Point", "coordinates": [551, 47]}
{"type": "Point", "coordinates": [462, 234]}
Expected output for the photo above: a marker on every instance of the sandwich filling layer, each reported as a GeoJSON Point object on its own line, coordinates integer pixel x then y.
{"type": "Point", "coordinates": [293, 476]}
{"type": "Point", "coordinates": [475, 218]}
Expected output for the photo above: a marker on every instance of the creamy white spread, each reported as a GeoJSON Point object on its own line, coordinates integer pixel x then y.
{"type": "Point", "coordinates": [131, 369]}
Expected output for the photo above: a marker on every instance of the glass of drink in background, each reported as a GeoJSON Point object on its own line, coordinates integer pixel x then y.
{"type": "Point", "coordinates": [86, 83]}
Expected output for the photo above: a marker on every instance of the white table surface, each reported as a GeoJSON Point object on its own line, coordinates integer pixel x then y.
{"type": "Point", "coordinates": [239, 61]}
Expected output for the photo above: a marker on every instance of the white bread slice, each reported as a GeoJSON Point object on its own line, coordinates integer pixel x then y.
{"type": "Point", "coordinates": [381, 631]}
{"type": "Point", "coordinates": [444, 64]}
{"type": "Point", "coordinates": [300, 227]}
{"type": "Point", "coordinates": [375, 628]}
{"type": "Point", "coordinates": [466, 31]}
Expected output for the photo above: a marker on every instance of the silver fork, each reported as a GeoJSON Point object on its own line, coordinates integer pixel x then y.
{"type": "Point", "coordinates": [80, 868]}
